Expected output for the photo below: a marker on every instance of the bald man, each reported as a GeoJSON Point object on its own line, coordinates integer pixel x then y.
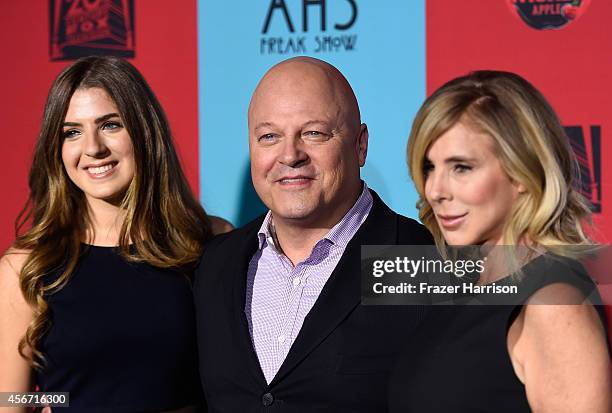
{"type": "Point", "coordinates": [280, 325]}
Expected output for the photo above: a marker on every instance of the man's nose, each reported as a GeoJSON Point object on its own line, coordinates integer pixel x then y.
{"type": "Point", "coordinates": [293, 152]}
{"type": "Point", "coordinates": [95, 146]}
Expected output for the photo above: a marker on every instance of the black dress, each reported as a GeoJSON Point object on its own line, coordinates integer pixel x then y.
{"type": "Point", "coordinates": [122, 337]}
{"type": "Point", "coordinates": [458, 359]}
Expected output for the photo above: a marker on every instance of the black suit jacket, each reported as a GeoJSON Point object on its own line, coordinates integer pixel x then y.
{"type": "Point", "coordinates": [341, 358]}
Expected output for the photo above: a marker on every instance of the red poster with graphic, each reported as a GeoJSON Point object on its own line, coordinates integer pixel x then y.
{"type": "Point", "coordinates": [561, 46]}
{"type": "Point", "coordinates": [564, 48]}
{"type": "Point", "coordinates": [43, 37]}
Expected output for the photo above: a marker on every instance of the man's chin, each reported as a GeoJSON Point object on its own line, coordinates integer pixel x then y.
{"type": "Point", "coordinates": [293, 213]}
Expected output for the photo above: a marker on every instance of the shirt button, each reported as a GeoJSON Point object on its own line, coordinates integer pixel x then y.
{"type": "Point", "coordinates": [281, 339]}
{"type": "Point", "coordinates": [296, 281]}
{"type": "Point", "coordinates": [267, 399]}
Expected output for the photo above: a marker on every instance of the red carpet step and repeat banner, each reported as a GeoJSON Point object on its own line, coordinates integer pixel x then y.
{"type": "Point", "coordinates": [203, 59]}
{"type": "Point", "coordinates": [380, 48]}
{"type": "Point", "coordinates": [41, 37]}
{"type": "Point", "coordinates": [563, 47]}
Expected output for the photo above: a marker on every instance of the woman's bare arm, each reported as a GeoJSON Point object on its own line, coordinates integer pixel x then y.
{"type": "Point", "coordinates": [15, 316]}
{"type": "Point", "coordinates": [560, 353]}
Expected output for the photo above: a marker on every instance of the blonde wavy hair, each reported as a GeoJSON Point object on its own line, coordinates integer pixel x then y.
{"type": "Point", "coordinates": [532, 147]}
{"type": "Point", "coordinates": [164, 224]}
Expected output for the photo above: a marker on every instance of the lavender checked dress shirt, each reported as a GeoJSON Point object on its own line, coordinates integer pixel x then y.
{"type": "Point", "coordinates": [279, 296]}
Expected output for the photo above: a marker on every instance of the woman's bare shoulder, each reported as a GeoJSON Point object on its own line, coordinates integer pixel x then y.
{"type": "Point", "coordinates": [13, 307]}
{"type": "Point", "coordinates": [13, 260]}
{"type": "Point", "coordinates": [563, 354]}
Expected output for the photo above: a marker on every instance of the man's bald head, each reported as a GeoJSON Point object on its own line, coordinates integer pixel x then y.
{"type": "Point", "coordinates": [306, 142]}
{"type": "Point", "coordinates": [292, 76]}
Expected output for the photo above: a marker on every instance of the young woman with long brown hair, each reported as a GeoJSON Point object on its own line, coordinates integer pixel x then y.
{"type": "Point", "coordinates": [94, 294]}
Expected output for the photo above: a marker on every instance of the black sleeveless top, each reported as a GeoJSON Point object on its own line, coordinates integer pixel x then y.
{"type": "Point", "coordinates": [458, 360]}
{"type": "Point", "coordinates": [122, 337]}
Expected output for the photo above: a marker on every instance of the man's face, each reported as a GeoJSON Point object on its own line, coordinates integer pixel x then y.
{"type": "Point", "coordinates": [305, 149]}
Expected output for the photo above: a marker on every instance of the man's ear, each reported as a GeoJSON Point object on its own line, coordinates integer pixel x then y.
{"type": "Point", "coordinates": [362, 144]}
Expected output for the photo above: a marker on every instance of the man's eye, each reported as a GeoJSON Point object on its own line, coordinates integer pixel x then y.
{"type": "Point", "coordinates": [317, 135]}
{"type": "Point", "coordinates": [70, 133]}
{"type": "Point", "coordinates": [267, 137]}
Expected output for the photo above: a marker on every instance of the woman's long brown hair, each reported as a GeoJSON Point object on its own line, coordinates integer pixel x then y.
{"type": "Point", "coordinates": [163, 221]}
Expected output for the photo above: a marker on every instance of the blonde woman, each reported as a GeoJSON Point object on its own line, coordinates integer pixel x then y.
{"type": "Point", "coordinates": [95, 296]}
{"type": "Point", "coordinates": [493, 167]}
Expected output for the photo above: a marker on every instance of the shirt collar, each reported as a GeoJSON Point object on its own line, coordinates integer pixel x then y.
{"type": "Point", "coordinates": [265, 234]}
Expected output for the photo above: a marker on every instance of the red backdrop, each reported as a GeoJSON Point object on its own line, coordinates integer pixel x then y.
{"type": "Point", "coordinates": [571, 65]}
{"type": "Point", "coordinates": [165, 52]}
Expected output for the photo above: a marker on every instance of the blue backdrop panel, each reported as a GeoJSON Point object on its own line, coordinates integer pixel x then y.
{"type": "Point", "coordinates": [380, 48]}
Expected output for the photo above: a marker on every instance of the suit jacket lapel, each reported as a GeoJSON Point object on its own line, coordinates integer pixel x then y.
{"type": "Point", "coordinates": [237, 303]}
{"type": "Point", "coordinates": [342, 292]}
